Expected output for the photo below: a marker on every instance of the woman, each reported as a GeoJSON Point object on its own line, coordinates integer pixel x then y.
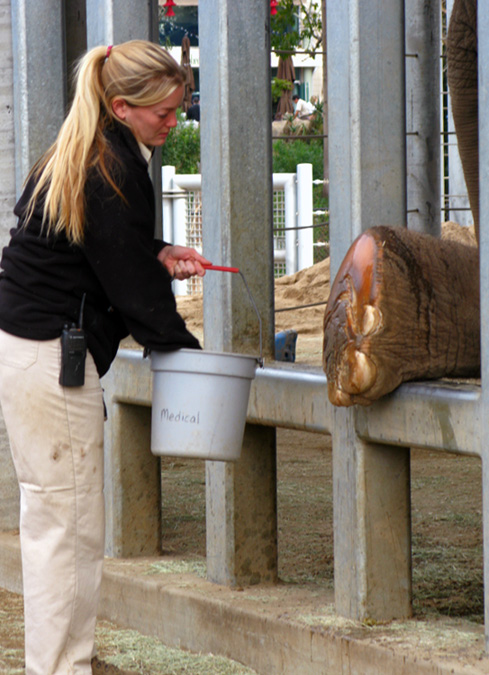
{"type": "Point", "coordinates": [82, 270]}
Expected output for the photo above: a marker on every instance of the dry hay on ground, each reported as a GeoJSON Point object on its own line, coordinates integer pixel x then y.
{"type": "Point", "coordinates": [456, 232]}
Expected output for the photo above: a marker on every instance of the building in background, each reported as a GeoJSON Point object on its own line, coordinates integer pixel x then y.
{"type": "Point", "coordinates": [184, 22]}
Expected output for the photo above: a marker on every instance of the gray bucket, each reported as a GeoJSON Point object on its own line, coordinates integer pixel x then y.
{"type": "Point", "coordinates": [200, 401]}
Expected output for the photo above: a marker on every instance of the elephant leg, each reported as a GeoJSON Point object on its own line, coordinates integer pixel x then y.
{"type": "Point", "coordinates": [462, 81]}
{"type": "Point", "coordinates": [403, 306]}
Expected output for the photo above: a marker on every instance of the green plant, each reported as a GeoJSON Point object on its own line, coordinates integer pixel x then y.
{"type": "Point", "coordinates": [288, 154]}
{"type": "Point", "coordinates": [182, 147]}
{"type": "Point", "coordinates": [296, 26]}
{"type": "Point", "coordinates": [279, 86]}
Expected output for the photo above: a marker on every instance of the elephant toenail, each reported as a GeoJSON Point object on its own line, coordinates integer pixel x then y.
{"type": "Point", "coordinates": [360, 375]}
{"type": "Point", "coordinates": [371, 320]}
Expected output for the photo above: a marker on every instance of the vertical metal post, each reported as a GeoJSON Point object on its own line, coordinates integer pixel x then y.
{"type": "Point", "coordinates": [366, 99]}
{"type": "Point", "coordinates": [179, 220]}
{"type": "Point", "coordinates": [167, 175]}
{"type": "Point", "coordinates": [483, 59]}
{"type": "Point", "coordinates": [290, 221]}
{"type": "Point", "coordinates": [305, 233]}
{"type": "Point", "coordinates": [423, 45]}
{"type": "Point", "coordinates": [39, 67]}
{"type": "Point", "coordinates": [7, 111]}
{"type": "Point", "coordinates": [237, 231]}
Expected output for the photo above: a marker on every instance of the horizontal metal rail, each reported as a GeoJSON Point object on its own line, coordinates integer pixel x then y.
{"type": "Point", "coordinates": [438, 415]}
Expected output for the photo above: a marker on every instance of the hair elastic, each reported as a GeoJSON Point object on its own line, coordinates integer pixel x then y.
{"type": "Point", "coordinates": [109, 49]}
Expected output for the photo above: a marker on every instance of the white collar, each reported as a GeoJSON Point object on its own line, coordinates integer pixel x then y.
{"type": "Point", "coordinates": [145, 151]}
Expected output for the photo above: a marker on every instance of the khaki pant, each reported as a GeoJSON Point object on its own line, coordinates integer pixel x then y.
{"type": "Point", "coordinates": [56, 438]}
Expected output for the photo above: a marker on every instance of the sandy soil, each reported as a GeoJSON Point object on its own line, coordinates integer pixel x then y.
{"type": "Point", "coordinates": [293, 296]}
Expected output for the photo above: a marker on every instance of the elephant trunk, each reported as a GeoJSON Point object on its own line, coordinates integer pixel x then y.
{"type": "Point", "coordinates": [462, 81]}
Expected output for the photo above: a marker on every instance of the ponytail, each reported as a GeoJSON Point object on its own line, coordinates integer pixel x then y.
{"type": "Point", "coordinates": [140, 72]}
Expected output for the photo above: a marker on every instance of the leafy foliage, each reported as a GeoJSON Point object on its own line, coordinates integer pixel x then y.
{"type": "Point", "coordinates": [182, 147]}
{"type": "Point", "coordinates": [290, 30]}
{"type": "Point", "coordinates": [279, 86]}
{"type": "Point", "coordinates": [288, 154]}
{"type": "Point", "coordinates": [182, 150]}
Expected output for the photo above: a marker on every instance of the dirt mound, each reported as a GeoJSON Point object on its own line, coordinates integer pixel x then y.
{"type": "Point", "coordinates": [309, 286]}
{"type": "Point", "coordinates": [293, 294]}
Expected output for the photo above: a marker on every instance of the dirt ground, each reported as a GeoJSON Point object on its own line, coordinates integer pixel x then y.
{"type": "Point", "coordinates": [447, 546]}
{"type": "Point", "coordinates": [446, 521]}
{"type": "Point", "coordinates": [446, 515]}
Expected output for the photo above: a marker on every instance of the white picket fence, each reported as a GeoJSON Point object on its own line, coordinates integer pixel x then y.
{"type": "Point", "coordinates": [292, 219]}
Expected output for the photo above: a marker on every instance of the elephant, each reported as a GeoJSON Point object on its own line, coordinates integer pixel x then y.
{"type": "Point", "coordinates": [405, 305]}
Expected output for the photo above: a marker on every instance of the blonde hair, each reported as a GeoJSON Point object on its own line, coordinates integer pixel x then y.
{"type": "Point", "coordinates": [141, 73]}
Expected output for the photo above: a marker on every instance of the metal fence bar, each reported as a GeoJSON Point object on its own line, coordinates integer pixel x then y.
{"type": "Point", "coordinates": [367, 186]}
{"type": "Point", "coordinates": [483, 60]}
{"type": "Point", "coordinates": [305, 237]}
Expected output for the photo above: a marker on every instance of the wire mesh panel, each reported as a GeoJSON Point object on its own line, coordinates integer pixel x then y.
{"type": "Point", "coordinates": [193, 217]}
{"type": "Point", "coordinates": [321, 222]}
{"type": "Point", "coordinates": [279, 233]}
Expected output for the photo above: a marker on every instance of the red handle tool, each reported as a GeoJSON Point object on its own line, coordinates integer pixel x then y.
{"type": "Point", "coordinates": [220, 268]}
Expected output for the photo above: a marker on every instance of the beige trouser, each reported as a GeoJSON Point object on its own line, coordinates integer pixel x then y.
{"type": "Point", "coordinates": [56, 439]}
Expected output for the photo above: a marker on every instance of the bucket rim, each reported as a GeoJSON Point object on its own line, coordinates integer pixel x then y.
{"type": "Point", "coordinates": [204, 361]}
{"type": "Point", "coordinates": [207, 352]}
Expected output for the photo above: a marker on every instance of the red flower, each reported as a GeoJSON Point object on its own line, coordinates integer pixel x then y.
{"type": "Point", "coordinates": [169, 4]}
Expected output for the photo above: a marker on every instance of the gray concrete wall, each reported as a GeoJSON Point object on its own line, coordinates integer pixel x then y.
{"type": "Point", "coordinates": [9, 512]}
{"type": "Point", "coordinates": [7, 148]}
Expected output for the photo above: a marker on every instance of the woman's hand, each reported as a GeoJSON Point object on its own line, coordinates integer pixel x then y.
{"type": "Point", "coordinates": [182, 262]}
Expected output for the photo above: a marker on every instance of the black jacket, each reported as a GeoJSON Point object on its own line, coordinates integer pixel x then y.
{"type": "Point", "coordinates": [127, 289]}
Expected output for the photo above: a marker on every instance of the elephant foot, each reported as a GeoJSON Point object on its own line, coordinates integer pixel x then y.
{"type": "Point", "coordinates": [403, 306]}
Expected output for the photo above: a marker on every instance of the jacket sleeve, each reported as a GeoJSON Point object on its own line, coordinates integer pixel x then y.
{"type": "Point", "coordinates": [121, 250]}
{"type": "Point", "coordinates": [158, 245]}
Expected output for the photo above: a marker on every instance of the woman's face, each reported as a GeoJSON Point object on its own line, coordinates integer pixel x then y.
{"type": "Point", "coordinates": [150, 124]}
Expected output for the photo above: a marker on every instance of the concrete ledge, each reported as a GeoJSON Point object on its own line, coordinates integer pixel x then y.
{"type": "Point", "coordinates": [440, 414]}
{"type": "Point", "coordinates": [282, 630]}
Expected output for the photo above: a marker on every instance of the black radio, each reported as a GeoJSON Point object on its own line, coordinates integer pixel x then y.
{"type": "Point", "coordinates": [73, 353]}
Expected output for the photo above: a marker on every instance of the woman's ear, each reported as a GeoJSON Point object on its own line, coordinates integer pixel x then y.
{"type": "Point", "coordinates": [119, 108]}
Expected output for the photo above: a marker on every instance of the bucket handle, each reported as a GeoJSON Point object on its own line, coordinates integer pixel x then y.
{"type": "Point", "coordinates": [236, 270]}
